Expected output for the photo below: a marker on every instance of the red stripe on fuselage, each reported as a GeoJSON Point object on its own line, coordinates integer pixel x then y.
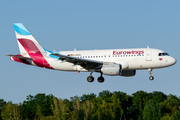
{"type": "Point", "coordinates": [34, 53]}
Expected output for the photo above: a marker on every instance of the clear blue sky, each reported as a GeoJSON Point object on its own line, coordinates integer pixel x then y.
{"type": "Point", "coordinates": [64, 25]}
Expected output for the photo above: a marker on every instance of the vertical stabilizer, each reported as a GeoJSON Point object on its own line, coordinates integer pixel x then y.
{"type": "Point", "coordinates": [27, 43]}
{"type": "Point", "coordinates": [29, 47]}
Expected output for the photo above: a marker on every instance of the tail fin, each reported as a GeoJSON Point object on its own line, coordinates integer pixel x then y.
{"type": "Point", "coordinates": [26, 42]}
{"type": "Point", "coordinates": [29, 48]}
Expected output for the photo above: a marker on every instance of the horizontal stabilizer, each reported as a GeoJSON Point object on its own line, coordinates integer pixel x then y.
{"type": "Point", "coordinates": [21, 57]}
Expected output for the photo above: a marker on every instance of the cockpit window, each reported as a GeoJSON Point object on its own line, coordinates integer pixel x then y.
{"type": "Point", "coordinates": [163, 54]}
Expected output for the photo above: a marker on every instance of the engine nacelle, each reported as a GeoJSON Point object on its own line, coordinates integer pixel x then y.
{"type": "Point", "coordinates": [111, 69]}
{"type": "Point", "coordinates": [128, 73]}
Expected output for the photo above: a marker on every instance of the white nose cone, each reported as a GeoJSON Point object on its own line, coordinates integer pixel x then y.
{"type": "Point", "coordinates": [172, 61]}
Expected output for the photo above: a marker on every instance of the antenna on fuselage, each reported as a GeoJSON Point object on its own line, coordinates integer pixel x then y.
{"type": "Point", "coordinates": [148, 47]}
{"type": "Point", "coordinates": [74, 49]}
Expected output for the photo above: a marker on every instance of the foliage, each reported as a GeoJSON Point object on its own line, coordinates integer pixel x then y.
{"type": "Point", "coordinates": [106, 106]}
{"type": "Point", "coordinates": [2, 103]}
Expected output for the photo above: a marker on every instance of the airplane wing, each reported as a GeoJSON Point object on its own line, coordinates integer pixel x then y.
{"type": "Point", "coordinates": [86, 63]}
{"type": "Point", "coordinates": [17, 56]}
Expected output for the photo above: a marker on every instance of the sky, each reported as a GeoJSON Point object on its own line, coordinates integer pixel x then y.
{"type": "Point", "coordinates": [86, 25]}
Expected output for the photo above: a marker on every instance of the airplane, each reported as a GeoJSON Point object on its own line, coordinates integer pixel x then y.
{"type": "Point", "coordinates": [112, 62]}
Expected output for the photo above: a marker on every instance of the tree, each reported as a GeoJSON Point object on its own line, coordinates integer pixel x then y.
{"type": "Point", "coordinates": [158, 96]}
{"type": "Point", "coordinates": [139, 100]}
{"type": "Point", "coordinates": [105, 95]}
{"type": "Point", "coordinates": [34, 106]}
{"type": "Point", "coordinates": [16, 112]}
{"type": "Point", "coordinates": [2, 103]}
{"type": "Point", "coordinates": [28, 108]}
{"type": "Point", "coordinates": [88, 107]}
{"type": "Point", "coordinates": [88, 97]}
{"type": "Point", "coordinates": [7, 112]}
{"type": "Point", "coordinates": [117, 110]}
{"type": "Point", "coordinates": [64, 106]}
{"type": "Point", "coordinates": [176, 115]}
{"type": "Point", "coordinates": [77, 111]}
{"type": "Point", "coordinates": [126, 103]}
{"type": "Point", "coordinates": [152, 111]}
{"type": "Point", "coordinates": [44, 101]}
{"type": "Point", "coordinates": [11, 111]}
{"type": "Point", "coordinates": [166, 117]}
{"type": "Point", "coordinates": [170, 105]}
{"type": "Point", "coordinates": [56, 109]}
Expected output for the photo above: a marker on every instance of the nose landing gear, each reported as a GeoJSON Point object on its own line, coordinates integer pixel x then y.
{"type": "Point", "coordinates": [150, 73]}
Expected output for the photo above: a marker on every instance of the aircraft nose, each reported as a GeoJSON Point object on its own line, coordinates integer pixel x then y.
{"type": "Point", "coordinates": [173, 61]}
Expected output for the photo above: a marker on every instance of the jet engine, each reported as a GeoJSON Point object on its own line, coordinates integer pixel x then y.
{"type": "Point", "coordinates": [111, 69]}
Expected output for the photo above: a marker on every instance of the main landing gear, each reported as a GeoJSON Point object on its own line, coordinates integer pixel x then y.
{"type": "Point", "coordinates": [91, 78]}
{"type": "Point", "coordinates": [100, 79]}
{"type": "Point", "coordinates": [150, 73]}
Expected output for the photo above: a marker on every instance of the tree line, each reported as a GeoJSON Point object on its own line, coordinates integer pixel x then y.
{"type": "Point", "coordinates": [106, 106]}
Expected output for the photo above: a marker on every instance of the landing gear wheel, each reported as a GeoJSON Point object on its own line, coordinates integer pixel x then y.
{"type": "Point", "coordinates": [151, 78]}
{"type": "Point", "coordinates": [100, 79]}
{"type": "Point", "coordinates": [150, 73]}
{"type": "Point", "coordinates": [90, 78]}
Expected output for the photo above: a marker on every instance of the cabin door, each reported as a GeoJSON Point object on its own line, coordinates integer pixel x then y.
{"type": "Point", "coordinates": [148, 55]}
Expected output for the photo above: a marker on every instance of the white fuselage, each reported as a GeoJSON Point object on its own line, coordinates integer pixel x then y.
{"type": "Point", "coordinates": [130, 59]}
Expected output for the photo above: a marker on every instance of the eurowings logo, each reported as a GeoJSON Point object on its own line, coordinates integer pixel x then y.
{"type": "Point", "coordinates": [128, 52]}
